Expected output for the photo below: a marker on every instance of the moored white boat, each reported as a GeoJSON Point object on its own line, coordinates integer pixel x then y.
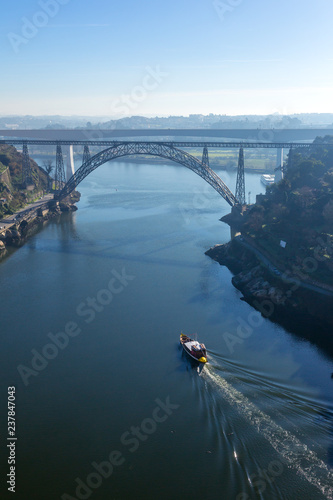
{"type": "Point", "coordinates": [267, 179]}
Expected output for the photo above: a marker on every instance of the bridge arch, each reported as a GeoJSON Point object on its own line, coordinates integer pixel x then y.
{"type": "Point", "coordinates": [162, 150]}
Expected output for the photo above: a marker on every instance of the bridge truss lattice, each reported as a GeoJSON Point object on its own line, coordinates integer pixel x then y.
{"type": "Point", "coordinates": [162, 150]}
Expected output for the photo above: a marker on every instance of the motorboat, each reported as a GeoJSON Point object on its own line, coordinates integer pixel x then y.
{"type": "Point", "coordinates": [193, 348]}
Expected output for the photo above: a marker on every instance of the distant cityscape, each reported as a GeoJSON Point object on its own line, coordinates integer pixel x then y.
{"type": "Point", "coordinates": [273, 121]}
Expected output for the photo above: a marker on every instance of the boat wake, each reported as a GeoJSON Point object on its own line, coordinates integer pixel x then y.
{"type": "Point", "coordinates": [296, 453]}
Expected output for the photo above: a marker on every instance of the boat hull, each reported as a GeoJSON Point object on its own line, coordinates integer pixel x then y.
{"type": "Point", "coordinates": [267, 179]}
{"type": "Point", "coordinates": [193, 349]}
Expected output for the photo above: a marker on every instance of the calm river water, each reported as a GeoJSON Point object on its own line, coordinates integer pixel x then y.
{"type": "Point", "coordinates": [107, 407]}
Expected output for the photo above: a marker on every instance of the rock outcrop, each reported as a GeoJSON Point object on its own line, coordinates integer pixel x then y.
{"type": "Point", "coordinates": [281, 299]}
{"type": "Point", "coordinates": [17, 234]}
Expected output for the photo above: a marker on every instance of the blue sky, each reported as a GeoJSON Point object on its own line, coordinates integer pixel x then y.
{"type": "Point", "coordinates": [148, 57]}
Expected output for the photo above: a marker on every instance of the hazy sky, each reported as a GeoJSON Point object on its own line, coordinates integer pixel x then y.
{"type": "Point", "coordinates": [152, 57]}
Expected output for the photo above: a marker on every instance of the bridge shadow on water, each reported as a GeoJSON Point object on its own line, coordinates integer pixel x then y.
{"type": "Point", "coordinates": [85, 247]}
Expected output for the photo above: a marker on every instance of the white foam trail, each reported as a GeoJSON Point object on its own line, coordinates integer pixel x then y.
{"type": "Point", "coordinates": [306, 462]}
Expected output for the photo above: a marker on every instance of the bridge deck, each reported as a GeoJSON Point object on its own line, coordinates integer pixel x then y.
{"type": "Point", "coordinates": [176, 144]}
{"type": "Point", "coordinates": [259, 135]}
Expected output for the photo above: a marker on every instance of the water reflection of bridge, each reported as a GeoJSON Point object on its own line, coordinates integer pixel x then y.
{"type": "Point", "coordinates": [174, 151]}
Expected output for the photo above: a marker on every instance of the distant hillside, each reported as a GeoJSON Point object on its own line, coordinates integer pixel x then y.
{"type": "Point", "coordinates": [218, 121]}
{"type": "Point", "coordinates": [211, 120]}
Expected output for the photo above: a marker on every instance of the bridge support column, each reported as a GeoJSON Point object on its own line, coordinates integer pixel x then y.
{"type": "Point", "coordinates": [290, 158]}
{"type": "Point", "coordinates": [86, 154]}
{"type": "Point", "coordinates": [205, 157]}
{"type": "Point", "coordinates": [59, 178]}
{"type": "Point", "coordinates": [26, 167]}
{"type": "Point", "coordinates": [70, 169]}
{"type": "Point", "coordinates": [240, 182]}
{"type": "Point", "coordinates": [279, 165]}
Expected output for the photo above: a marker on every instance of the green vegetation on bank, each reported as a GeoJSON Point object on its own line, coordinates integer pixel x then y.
{"type": "Point", "coordinates": [293, 222]}
{"type": "Point", "coordinates": [13, 194]}
{"type": "Point", "coordinates": [222, 159]}
{"type": "Point", "coordinates": [254, 159]}
{"type": "Point", "coordinates": [257, 160]}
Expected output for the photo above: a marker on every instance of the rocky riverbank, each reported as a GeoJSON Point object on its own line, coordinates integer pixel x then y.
{"type": "Point", "coordinates": [252, 278]}
{"type": "Point", "coordinates": [283, 300]}
{"type": "Point", "coordinates": [17, 235]}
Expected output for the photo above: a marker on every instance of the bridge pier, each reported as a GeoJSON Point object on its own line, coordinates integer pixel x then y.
{"type": "Point", "coordinates": [205, 157]}
{"type": "Point", "coordinates": [290, 158]}
{"type": "Point", "coordinates": [70, 169]}
{"type": "Point", "coordinates": [59, 179]}
{"type": "Point", "coordinates": [240, 182]}
{"type": "Point", "coordinates": [279, 165]}
{"type": "Point", "coordinates": [86, 154]}
{"type": "Point", "coordinates": [26, 166]}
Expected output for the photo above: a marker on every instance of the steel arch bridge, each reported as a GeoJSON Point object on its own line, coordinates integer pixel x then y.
{"type": "Point", "coordinates": [162, 150]}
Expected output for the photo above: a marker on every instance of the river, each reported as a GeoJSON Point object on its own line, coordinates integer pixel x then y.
{"type": "Point", "coordinates": [107, 406]}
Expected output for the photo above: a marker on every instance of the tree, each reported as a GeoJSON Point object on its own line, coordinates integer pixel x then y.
{"type": "Point", "coordinates": [328, 212]}
{"type": "Point", "coordinates": [48, 167]}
